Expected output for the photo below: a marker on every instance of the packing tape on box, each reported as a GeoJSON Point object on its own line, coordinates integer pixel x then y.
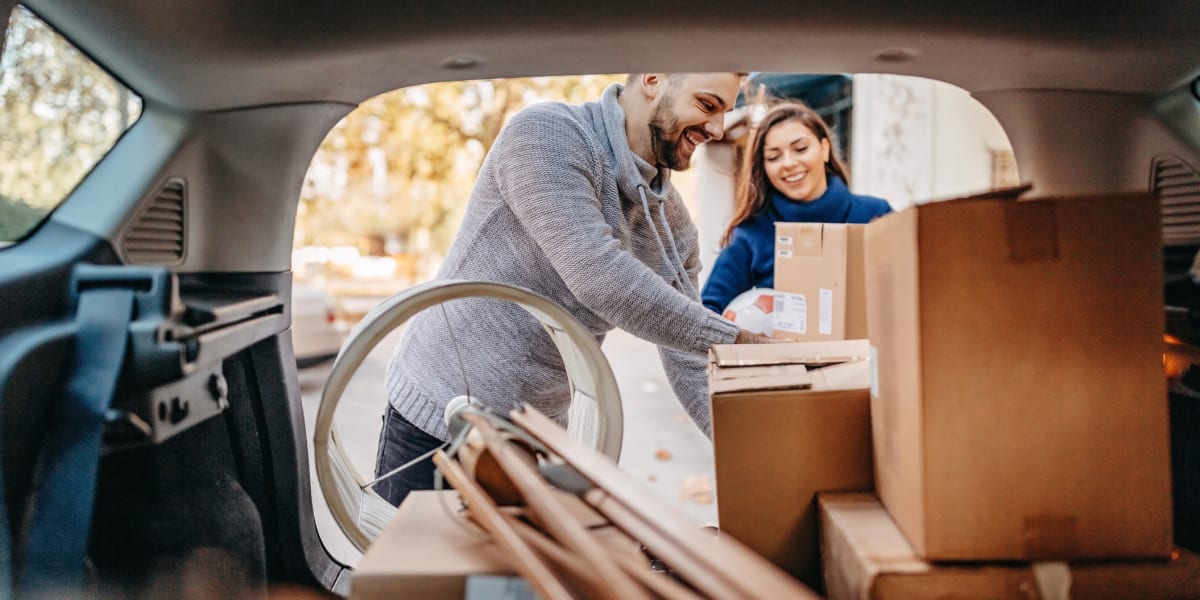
{"type": "Point", "coordinates": [1053, 580]}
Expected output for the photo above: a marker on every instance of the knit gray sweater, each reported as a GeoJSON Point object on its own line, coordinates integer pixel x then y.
{"type": "Point", "coordinates": [563, 207]}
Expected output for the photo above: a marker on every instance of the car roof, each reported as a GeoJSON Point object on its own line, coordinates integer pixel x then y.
{"type": "Point", "coordinates": [219, 54]}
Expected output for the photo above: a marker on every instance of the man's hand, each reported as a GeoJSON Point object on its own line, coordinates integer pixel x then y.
{"type": "Point", "coordinates": [748, 337]}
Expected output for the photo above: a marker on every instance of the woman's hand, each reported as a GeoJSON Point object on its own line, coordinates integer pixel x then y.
{"type": "Point", "coordinates": [749, 337]}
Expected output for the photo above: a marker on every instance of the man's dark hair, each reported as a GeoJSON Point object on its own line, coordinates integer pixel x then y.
{"type": "Point", "coordinates": [672, 78]}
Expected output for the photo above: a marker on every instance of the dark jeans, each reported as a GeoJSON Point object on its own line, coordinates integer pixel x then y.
{"type": "Point", "coordinates": [399, 443]}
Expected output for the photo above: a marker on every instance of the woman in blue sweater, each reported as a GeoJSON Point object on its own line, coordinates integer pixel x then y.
{"type": "Point", "coordinates": [792, 174]}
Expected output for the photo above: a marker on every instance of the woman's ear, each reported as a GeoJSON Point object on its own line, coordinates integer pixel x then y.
{"type": "Point", "coordinates": [826, 150]}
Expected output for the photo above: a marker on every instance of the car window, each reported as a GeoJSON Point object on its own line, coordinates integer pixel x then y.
{"type": "Point", "coordinates": [60, 113]}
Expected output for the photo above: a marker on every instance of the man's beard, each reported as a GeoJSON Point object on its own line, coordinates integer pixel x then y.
{"type": "Point", "coordinates": [664, 145]}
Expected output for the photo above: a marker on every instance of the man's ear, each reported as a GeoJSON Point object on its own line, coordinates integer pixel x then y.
{"type": "Point", "coordinates": [653, 84]}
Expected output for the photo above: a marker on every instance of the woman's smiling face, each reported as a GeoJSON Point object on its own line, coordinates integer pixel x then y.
{"type": "Point", "coordinates": [794, 160]}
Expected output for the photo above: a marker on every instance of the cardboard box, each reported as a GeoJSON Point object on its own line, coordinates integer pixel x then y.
{"type": "Point", "coordinates": [866, 557]}
{"type": "Point", "coordinates": [819, 289]}
{"type": "Point", "coordinates": [776, 447]}
{"type": "Point", "coordinates": [1019, 406]}
{"type": "Point", "coordinates": [422, 553]}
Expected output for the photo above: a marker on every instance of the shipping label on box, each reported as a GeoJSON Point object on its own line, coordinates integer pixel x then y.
{"type": "Point", "coordinates": [791, 314]}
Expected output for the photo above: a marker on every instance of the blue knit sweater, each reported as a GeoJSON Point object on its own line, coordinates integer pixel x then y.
{"type": "Point", "coordinates": [749, 259]}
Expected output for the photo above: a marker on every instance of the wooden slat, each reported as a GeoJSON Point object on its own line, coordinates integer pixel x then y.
{"type": "Point", "coordinates": [680, 559]}
{"type": "Point", "coordinates": [554, 517]}
{"type": "Point", "coordinates": [524, 560]}
{"type": "Point", "coordinates": [739, 567]}
{"type": "Point", "coordinates": [660, 584]}
{"type": "Point", "coordinates": [561, 557]}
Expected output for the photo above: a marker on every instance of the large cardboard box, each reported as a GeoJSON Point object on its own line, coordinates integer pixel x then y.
{"type": "Point", "coordinates": [1019, 405]}
{"type": "Point", "coordinates": [819, 289]}
{"type": "Point", "coordinates": [782, 433]}
{"type": "Point", "coordinates": [867, 558]}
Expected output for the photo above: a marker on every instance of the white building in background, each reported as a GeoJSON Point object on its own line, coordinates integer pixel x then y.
{"type": "Point", "coordinates": [913, 140]}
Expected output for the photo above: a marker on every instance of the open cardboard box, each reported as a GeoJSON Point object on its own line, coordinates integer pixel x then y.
{"type": "Point", "coordinates": [789, 420]}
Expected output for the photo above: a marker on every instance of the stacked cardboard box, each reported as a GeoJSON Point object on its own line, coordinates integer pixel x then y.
{"type": "Point", "coordinates": [789, 420]}
{"type": "Point", "coordinates": [1019, 406]}
{"type": "Point", "coordinates": [819, 289]}
{"type": "Point", "coordinates": [868, 558]}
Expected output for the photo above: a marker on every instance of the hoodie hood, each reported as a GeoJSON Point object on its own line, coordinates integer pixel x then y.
{"type": "Point", "coordinates": [640, 181]}
{"type": "Point", "coordinates": [632, 170]}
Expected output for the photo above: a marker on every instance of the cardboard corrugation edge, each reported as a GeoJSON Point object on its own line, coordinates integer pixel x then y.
{"type": "Point", "coordinates": [881, 319]}
{"type": "Point", "coordinates": [723, 373]}
{"type": "Point", "coordinates": [923, 543]}
{"type": "Point", "coordinates": [843, 548]}
{"type": "Point", "coordinates": [748, 355]}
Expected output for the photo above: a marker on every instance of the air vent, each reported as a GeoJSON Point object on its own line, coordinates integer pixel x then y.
{"type": "Point", "coordinates": [1178, 184]}
{"type": "Point", "coordinates": [157, 235]}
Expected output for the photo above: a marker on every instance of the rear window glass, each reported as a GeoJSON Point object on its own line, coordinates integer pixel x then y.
{"type": "Point", "coordinates": [60, 113]}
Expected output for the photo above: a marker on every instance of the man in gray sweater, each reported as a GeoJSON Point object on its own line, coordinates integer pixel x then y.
{"type": "Point", "coordinates": [574, 202]}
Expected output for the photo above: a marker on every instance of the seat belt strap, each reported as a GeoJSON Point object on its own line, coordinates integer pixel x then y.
{"type": "Point", "coordinates": [62, 507]}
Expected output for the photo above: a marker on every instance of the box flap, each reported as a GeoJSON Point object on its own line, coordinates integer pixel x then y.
{"type": "Point", "coordinates": [1004, 193]}
{"type": "Point", "coordinates": [721, 374]}
{"type": "Point", "coordinates": [768, 377]}
{"type": "Point", "coordinates": [853, 375]}
{"type": "Point", "coordinates": [783, 353]}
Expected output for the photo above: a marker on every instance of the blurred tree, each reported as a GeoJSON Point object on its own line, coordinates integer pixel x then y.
{"type": "Point", "coordinates": [59, 114]}
{"type": "Point", "coordinates": [402, 165]}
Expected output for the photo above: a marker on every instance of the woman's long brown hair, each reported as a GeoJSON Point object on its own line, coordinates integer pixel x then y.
{"type": "Point", "coordinates": [752, 187]}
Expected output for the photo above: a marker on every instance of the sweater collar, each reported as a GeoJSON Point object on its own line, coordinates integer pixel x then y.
{"type": "Point", "coordinates": [644, 184]}
{"type": "Point", "coordinates": [632, 170]}
{"type": "Point", "coordinates": [831, 207]}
